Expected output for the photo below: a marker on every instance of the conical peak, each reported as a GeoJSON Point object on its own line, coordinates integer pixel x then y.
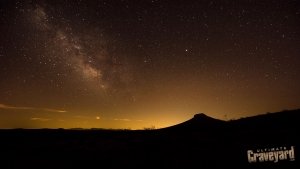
{"type": "Point", "coordinates": [199, 122]}
{"type": "Point", "coordinates": [200, 115]}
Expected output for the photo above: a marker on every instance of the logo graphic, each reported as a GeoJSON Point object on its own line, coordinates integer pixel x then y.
{"type": "Point", "coordinates": [271, 154]}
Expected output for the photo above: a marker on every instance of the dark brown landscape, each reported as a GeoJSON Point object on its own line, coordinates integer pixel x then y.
{"type": "Point", "coordinates": [201, 142]}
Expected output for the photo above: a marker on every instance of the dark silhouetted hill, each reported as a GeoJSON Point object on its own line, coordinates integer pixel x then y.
{"type": "Point", "coordinates": [200, 122]}
{"type": "Point", "coordinates": [284, 120]}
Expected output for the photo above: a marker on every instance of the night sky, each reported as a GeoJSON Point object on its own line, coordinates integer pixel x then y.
{"type": "Point", "coordinates": [133, 64]}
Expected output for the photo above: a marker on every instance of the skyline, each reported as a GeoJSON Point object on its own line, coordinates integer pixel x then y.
{"type": "Point", "coordinates": [121, 64]}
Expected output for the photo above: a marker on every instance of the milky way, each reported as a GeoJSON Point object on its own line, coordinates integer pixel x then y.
{"type": "Point", "coordinates": [141, 63]}
{"type": "Point", "coordinates": [85, 55]}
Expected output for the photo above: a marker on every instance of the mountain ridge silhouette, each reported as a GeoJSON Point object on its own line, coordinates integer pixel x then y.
{"type": "Point", "coordinates": [200, 121]}
{"type": "Point", "coordinates": [283, 120]}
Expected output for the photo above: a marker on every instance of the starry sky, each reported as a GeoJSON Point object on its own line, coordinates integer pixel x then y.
{"type": "Point", "coordinates": [137, 63]}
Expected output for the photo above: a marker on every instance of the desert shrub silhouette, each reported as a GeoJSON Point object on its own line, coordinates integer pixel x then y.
{"type": "Point", "coordinates": [149, 128]}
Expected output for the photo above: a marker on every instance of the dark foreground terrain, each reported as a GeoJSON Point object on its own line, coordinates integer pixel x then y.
{"type": "Point", "coordinates": [201, 142]}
